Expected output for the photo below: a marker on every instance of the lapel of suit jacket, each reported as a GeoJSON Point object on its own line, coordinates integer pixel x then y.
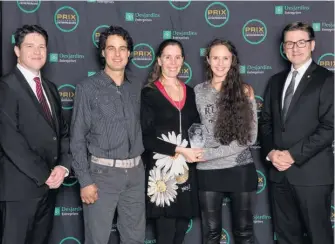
{"type": "Point", "coordinates": [25, 86]}
{"type": "Point", "coordinates": [301, 87]}
{"type": "Point", "coordinates": [52, 101]}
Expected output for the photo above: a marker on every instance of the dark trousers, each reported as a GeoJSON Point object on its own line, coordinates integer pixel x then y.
{"type": "Point", "coordinates": [211, 214]}
{"type": "Point", "coordinates": [27, 221]}
{"type": "Point", "coordinates": [171, 230]}
{"type": "Point", "coordinates": [301, 209]}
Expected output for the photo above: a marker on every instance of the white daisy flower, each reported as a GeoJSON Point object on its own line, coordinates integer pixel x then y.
{"type": "Point", "coordinates": [175, 165]}
{"type": "Point", "coordinates": [162, 189]}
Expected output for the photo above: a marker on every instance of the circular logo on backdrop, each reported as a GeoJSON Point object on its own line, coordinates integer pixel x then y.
{"type": "Point", "coordinates": [217, 14]}
{"type": "Point", "coordinates": [281, 49]}
{"type": "Point", "coordinates": [28, 6]}
{"type": "Point", "coordinates": [254, 31]}
{"type": "Point", "coordinates": [66, 93]}
{"type": "Point", "coordinates": [66, 19]}
{"type": "Point", "coordinates": [70, 240]}
{"type": "Point", "coordinates": [180, 5]}
{"type": "Point", "coordinates": [261, 182]}
{"type": "Point", "coordinates": [143, 55]}
{"type": "Point", "coordinates": [185, 73]}
{"type": "Point", "coordinates": [225, 238]}
{"type": "Point", "coordinates": [190, 225]}
{"type": "Point", "coordinates": [96, 34]}
{"type": "Point", "coordinates": [327, 61]}
{"type": "Point", "coordinates": [70, 181]}
{"type": "Point", "coordinates": [332, 216]}
{"type": "Point", "coordinates": [259, 102]}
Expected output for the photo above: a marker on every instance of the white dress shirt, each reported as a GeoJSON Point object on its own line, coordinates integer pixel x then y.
{"type": "Point", "coordinates": [29, 76]}
{"type": "Point", "coordinates": [301, 72]}
{"type": "Point", "coordinates": [30, 79]}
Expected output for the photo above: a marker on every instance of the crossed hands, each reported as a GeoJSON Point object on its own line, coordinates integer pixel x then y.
{"type": "Point", "coordinates": [282, 160]}
{"type": "Point", "coordinates": [56, 177]}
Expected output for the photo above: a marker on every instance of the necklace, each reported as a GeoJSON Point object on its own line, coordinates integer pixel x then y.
{"type": "Point", "coordinates": [177, 105]}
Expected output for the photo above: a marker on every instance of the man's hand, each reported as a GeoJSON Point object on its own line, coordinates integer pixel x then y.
{"type": "Point", "coordinates": [56, 177]}
{"type": "Point", "coordinates": [89, 194]}
{"type": "Point", "coordinates": [286, 156]}
{"type": "Point", "coordinates": [280, 159]}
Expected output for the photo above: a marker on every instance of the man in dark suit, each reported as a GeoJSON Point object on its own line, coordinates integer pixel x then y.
{"type": "Point", "coordinates": [297, 131]}
{"type": "Point", "coordinates": [34, 145]}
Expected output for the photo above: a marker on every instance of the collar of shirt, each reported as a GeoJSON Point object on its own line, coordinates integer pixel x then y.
{"type": "Point", "coordinates": [29, 76]}
{"type": "Point", "coordinates": [301, 71]}
{"type": "Point", "coordinates": [106, 80]}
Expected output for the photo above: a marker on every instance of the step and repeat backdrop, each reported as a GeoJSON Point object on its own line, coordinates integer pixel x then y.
{"type": "Point", "coordinates": [254, 27]}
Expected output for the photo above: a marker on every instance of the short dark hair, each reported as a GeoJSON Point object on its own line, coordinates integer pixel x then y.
{"type": "Point", "coordinates": [298, 26]}
{"type": "Point", "coordinates": [21, 33]}
{"type": "Point", "coordinates": [114, 30]}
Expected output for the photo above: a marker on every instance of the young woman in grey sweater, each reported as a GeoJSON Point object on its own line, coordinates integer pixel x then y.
{"type": "Point", "coordinates": [228, 111]}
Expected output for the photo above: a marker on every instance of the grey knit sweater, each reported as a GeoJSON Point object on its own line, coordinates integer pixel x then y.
{"type": "Point", "coordinates": [216, 155]}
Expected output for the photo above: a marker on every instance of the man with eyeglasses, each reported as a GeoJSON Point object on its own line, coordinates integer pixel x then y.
{"type": "Point", "coordinates": [297, 131]}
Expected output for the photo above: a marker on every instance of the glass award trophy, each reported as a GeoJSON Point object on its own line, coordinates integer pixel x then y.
{"type": "Point", "coordinates": [196, 134]}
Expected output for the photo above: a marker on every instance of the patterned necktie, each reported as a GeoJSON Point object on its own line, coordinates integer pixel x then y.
{"type": "Point", "coordinates": [42, 99]}
{"type": "Point", "coordinates": [289, 94]}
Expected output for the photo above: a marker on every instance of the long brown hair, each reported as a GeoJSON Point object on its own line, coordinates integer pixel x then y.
{"type": "Point", "coordinates": [156, 71]}
{"type": "Point", "coordinates": [234, 109]}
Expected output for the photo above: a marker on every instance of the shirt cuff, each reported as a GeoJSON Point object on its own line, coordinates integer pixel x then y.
{"type": "Point", "coordinates": [85, 180]}
{"type": "Point", "coordinates": [267, 156]}
{"type": "Point", "coordinates": [67, 171]}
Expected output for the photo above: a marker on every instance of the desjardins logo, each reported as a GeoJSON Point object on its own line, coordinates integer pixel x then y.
{"type": "Point", "coordinates": [67, 211]}
{"type": "Point", "coordinates": [254, 69]}
{"type": "Point", "coordinates": [291, 9]}
{"type": "Point", "coordinates": [149, 241]}
{"type": "Point", "coordinates": [65, 57]}
{"type": "Point", "coordinates": [323, 26]}
{"type": "Point", "coordinates": [259, 219]}
{"type": "Point", "coordinates": [140, 17]}
{"type": "Point", "coordinates": [178, 35]}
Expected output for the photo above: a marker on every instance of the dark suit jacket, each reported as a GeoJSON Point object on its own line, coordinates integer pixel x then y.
{"type": "Point", "coordinates": [308, 131]}
{"type": "Point", "coordinates": [30, 145]}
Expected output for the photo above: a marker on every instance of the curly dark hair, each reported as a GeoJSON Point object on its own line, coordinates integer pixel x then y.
{"type": "Point", "coordinates": [235, 110]}
{"type": "Point", "coordinates": [156, 71]}
{"type": "Point", "coordinates": [114, 30]}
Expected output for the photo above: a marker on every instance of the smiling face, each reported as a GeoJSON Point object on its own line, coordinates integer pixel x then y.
{"type": "Point", "coordinates": [116, 53]}
{"type": "Point", "coordinates": [32, 52]}
{"type": "Point", "coordinates": [220, 61]}
{"type": "Point", "coordinates": [171, 61]}
{"type": "Point", "coordinates": [298, 55]}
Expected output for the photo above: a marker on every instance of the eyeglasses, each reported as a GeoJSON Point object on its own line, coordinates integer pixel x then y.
{"type": "Point", "coordinates": [300, 44]}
